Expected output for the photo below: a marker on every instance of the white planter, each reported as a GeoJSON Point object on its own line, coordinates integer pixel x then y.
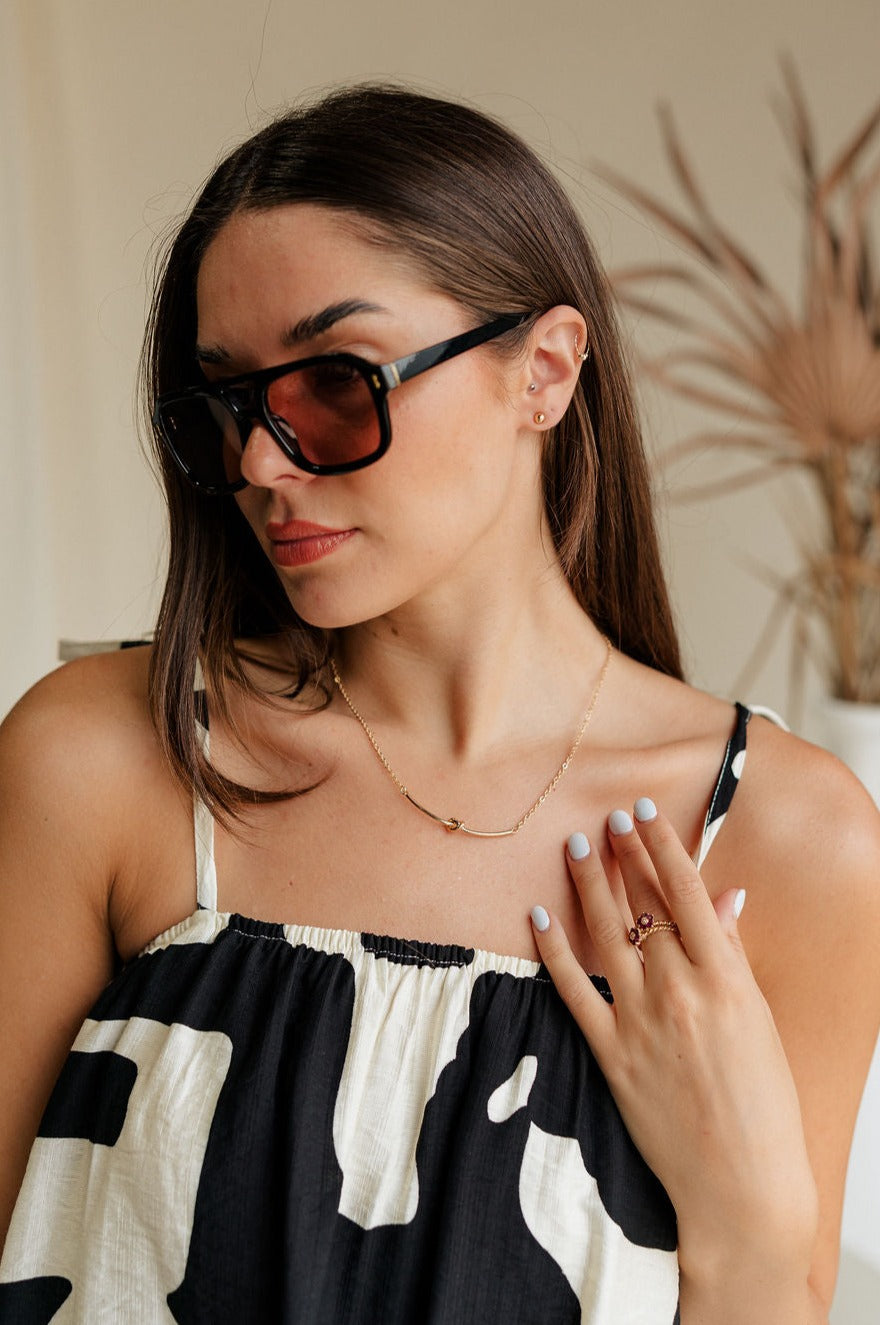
{"type": "Point", "coordinates": [852, 732]}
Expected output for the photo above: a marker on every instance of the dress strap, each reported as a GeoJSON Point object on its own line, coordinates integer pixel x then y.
{"type": "Point", "coordinates": [728, 781]}
{"type": "Point", "coordinates": [203, 820]}
{"type": "Point", "coordinates": [731, 772]}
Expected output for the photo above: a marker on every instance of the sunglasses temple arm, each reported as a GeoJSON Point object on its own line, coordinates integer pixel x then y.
{"type": "Point", "coordinates": [411, 365]}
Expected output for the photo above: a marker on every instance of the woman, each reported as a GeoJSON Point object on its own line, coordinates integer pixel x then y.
{"type": "Point", "coordinates": [416, 669]}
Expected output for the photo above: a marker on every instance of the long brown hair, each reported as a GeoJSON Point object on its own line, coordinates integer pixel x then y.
{"type": "Point", "coordinates": [483, 221]}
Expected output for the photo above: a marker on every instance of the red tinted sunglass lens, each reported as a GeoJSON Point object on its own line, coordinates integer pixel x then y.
{"type": "Point", "coordinates": [328, 410]}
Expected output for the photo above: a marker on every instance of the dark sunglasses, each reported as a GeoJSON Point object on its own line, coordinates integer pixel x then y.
{"type": "Point", "coordinates": [329, 414]}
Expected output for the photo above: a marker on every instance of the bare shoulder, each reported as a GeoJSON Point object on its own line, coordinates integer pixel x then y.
{"type": "Point", "coordinates": [74, 753]}
{"type": "Point", "coordinates": [801, 830]}
{"type": "Point", "coordinates": [78, 764]}
{"type": "Point", "coordinates": [801, 809]}
{"type": "Point", "coordinates": [117, 677]}
{"type": "Point", "coordinates": [803, 837]}
{"type": "Point", "coordinates": [88, 711]}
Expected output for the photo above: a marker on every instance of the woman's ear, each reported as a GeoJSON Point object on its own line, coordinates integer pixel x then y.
{"type": "Point", "coordinates": [557, 350]}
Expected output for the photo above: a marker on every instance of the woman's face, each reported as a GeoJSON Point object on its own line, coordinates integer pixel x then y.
{"type": "Point", "coordinates": [443, 504]}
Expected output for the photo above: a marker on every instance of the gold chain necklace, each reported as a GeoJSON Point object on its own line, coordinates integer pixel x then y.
{"type": "Point", "coordinates": [454, 825]}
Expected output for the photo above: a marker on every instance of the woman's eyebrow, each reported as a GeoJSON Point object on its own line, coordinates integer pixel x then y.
{"type": "Point", "coordinates": [212, 354]}
{"type": "Point", "coordinates": [307, 328]}
{"type": "Point", "coordinates": [314, 325]}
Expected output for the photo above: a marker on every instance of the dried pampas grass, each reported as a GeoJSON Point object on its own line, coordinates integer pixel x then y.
{"type": "Point", "coordinates": [803, 386]}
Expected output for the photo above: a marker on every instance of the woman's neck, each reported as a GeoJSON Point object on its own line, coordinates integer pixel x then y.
{"type": "Point", "coordinates": [473, 667]}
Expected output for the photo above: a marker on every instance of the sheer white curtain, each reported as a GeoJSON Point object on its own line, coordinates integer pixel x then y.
{"type": "Point", "coordinates": [27, 594]}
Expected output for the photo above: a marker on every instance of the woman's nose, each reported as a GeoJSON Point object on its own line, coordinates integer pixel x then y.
{"type": "Point", "coordinates": [263, 463]}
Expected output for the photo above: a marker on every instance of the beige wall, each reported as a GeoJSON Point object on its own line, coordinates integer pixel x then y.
{"type": "Point", "coordinates": [114, 110]}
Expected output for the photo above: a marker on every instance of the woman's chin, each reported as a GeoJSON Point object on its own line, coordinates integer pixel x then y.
{"type": "Point", "coordinates": [324, 615]}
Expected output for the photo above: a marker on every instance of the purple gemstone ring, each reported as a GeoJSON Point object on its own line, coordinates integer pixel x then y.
{"type": "Point", "coordinates": [646, 925]}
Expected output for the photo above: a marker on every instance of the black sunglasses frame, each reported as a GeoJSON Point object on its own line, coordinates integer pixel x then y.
{"type": "Point", "coordinates": [245, 397]}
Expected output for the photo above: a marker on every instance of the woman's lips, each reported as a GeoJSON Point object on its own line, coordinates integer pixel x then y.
{"type": "Point", "coordinates": [299, 541]}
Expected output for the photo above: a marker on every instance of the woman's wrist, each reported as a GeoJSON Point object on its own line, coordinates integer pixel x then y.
{"type": "Point", "coordinates": [775, 1226]}
{"type": "Point", "coordinates": [759, 1280]}
{"type": "Point", "coordinates": [751, 1299]}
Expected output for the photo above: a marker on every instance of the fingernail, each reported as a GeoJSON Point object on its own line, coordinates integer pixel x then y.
{"type": "Point", "coordinates": [645, 810]}
{"type": "Point", "coordinates": [578, 846]}
{"type": "Point", "coordinates": [739, 902]}
{"type": "Point", "coordinates": [619, 822]}
{"type": "Point", "coordinates": [540, 918]}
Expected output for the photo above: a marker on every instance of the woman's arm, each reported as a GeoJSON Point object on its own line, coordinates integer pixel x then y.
{"type": "Point", "coordinates": [60, 785]}
{"type": "Point", "coordinates": [807, 847]}
{"type": "Point", "coordinates": [740, 1082]}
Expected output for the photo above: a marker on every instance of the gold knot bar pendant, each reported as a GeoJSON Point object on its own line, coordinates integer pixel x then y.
{"type": "Point", "coordinates": [453, 825]}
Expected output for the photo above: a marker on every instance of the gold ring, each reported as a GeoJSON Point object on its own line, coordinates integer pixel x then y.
{"type": "Point", "coordinates": [646, 925]}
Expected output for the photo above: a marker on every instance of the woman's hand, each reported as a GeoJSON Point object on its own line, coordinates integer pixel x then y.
{"type": "Point", "coordinates": [689, 1049]}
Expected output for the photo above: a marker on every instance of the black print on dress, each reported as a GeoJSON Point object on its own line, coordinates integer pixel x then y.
{"type": "Point", "coordinates": [90, 1098]}
{"type": "Point", "coordinates": [33, 1301]}
{"type": "Point", "coordinates": [268, 1242]}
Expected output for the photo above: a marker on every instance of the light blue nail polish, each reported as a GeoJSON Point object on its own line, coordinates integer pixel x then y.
{"type": "Point", "coordinates": [645, 810]}
{"type": "Point", "coordinates": [739, 902]}
{"type": "Point", "coordinates": [619, 822]}
{"type": "Point", "coordinates": [540, 918]}
{"type": "Point", "coordinates": [578, 846]}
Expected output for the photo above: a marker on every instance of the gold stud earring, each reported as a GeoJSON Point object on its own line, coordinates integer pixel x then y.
{"type": "Point", "coordinates": [539, 417]}
{"type": "Point", "coordinates": [586, 354]}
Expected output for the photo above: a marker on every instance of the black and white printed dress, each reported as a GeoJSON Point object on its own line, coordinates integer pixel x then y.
{"type": "Point", "coordinates": [265, 1123]}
